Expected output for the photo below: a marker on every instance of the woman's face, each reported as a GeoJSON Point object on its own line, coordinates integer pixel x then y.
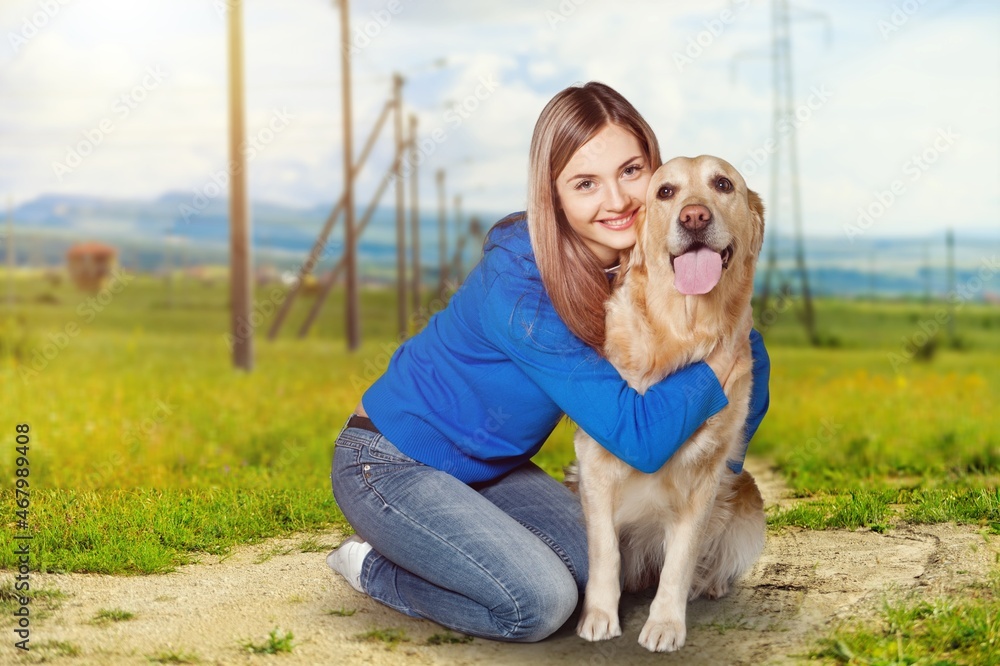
{"type": "Point", "coordinates": [601, 190]}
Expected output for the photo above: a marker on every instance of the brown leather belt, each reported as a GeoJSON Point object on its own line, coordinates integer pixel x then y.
{"type": "Point", "coordinates": [362, 422]}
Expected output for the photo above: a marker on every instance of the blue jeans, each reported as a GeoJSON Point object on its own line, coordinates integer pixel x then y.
{"type": "Point", "coordinates": [504, 559]}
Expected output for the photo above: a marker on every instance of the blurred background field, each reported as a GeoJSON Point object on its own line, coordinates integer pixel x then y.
{"type": "Point", "coordinates": [143, 435]}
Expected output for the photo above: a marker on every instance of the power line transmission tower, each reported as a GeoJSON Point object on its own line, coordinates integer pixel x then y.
{"type": "Point", "coordinates": [785, 140]}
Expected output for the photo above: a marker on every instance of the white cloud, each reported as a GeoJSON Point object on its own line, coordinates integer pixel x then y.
{"type": "Point", "coordinates": [890, 96]}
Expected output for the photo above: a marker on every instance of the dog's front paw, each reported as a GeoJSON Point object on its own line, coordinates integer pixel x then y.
{"type": "Point", "coordinates": [598, 625]}
{"type": "Point", "coordinates": [659, 636]}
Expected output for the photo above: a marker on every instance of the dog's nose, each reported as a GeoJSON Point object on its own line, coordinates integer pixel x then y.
{"type": "Point", "coordinates": [695, 217]}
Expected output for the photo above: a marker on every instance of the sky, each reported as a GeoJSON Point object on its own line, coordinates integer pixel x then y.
{"type": "Point", "coordinates": [896, 102]}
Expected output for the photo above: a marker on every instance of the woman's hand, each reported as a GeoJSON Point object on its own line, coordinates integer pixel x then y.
{"type": "Point", "coordinates": [731, 359]}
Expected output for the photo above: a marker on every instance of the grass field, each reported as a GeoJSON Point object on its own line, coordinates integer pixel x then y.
{"type": "Point", "coordinates": [147, 448]}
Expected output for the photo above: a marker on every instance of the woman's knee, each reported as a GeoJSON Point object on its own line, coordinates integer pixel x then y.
{"type": "Point", "coordinates": [541, 606]}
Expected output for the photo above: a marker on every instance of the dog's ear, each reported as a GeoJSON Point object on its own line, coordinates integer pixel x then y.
{"type": "Point", "coordinates": [757, 210]}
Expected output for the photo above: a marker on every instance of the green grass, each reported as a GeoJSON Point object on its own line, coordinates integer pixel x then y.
{"type": "Point", "coordinates": [448, 638]}
{"type": "Point", "coordinates": [276, 643]}
{"type": "Point", "coordinates": [54, 649]}
{"type": "Point", "coordinates": [342, 612]}
{"type": "Point", "coordinates": [145, 530]}
{"type": "Point", "coordinates": [174, 657]}
{"type": "Point", "coordinates": [392, 637]}
{"type": "Point", "coordinates": [109, 615]}
{"type": "Point", "coordinates": [951, 630]}
{"type": "Point", "coordinates": [148, 448]}
{"type": "Point", "coordinates": [149, 451]}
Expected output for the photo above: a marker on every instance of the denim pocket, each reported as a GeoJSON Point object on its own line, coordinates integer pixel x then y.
{"type": "Point", "coordinates": [383, 449]}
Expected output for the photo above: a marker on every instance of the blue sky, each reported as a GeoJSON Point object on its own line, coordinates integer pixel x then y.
{"type": "Point", "coordinates": [897, 112]}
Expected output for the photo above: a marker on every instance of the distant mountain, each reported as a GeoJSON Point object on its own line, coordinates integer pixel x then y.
{"type": "Point", "coordinates": [177, 228]}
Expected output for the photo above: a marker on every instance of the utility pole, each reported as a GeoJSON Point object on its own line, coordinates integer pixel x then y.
{"type": "Point", "coordinates": [458, 235]}
{"type": "Point", "coordinates": [415, 213]}
{"type": "Point", "coordinates": [397, 102]}
{"type": "Point", "coordinates": [10, 253]}
{"type": "Point", "coordinates": [442, 235]}
{"type": "Point", "coordinates": [239, 218]}
{"type": "Point", "coordinates": [350, 243]}
{"type": "Point", "coordinates": [950, 244]}
{"type": "Point", "coordinates": [871, 275]}
{"type": "Point", "coordinates": [927, 273]}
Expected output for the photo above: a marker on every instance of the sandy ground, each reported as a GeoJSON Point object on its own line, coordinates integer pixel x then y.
{"type": "Point", "coordinates": [804, 583]}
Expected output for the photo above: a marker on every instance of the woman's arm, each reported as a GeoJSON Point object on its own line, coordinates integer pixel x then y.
{"type": "Point", "coordinates": [644, 430]}
{"type": "Point", "coordinates": [760, 396]}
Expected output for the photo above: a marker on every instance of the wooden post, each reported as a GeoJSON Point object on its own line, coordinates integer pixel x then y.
{"type": "Point", "coordinates": [415, 214]}
{"type": "Point", "coordinates": [10, 252]}
{"type": "Point", "coordinates": [442, 235]}
{"type": "Point", "coordinates": [397, 102]}
{"type": "Point", "coordinates": [459, 233]}
{"type": "Point", "coordinates": [239, 217]}
{"type": "Point", "coordinates": [952, 290]}
{"type": "Point", "coordinates": [350, 243]}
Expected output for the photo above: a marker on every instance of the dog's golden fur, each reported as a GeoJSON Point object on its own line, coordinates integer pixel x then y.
{"type": "Point", "coordinates": [693, 525]}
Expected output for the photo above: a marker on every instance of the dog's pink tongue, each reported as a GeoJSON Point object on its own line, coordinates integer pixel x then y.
{"type": "Point", "coordinates": [698, 271]}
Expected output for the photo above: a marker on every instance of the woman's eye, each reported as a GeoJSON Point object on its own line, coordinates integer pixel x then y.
{"type": "Point", "coordinates": [633, 169]}
{"type": "Point", "coordinates": [665, 192]}
{"type": "Point", "coordinates": [585, 185]}
{"type": "Point", "coordinates": [724, 185]}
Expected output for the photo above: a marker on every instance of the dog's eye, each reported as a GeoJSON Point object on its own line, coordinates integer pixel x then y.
{"type": "Point", "coordinates": [665, 192]}
{"type": "Point", "coordinates": [723, 184]}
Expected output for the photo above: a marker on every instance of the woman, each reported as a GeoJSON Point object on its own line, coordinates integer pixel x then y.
{"type": "Point", "coordinates": [454, 522]}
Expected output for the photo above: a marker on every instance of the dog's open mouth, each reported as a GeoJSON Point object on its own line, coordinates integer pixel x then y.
{"type": "Point", "coordinates": [699, 268]}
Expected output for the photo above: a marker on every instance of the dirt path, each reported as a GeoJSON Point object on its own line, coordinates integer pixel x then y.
{"type": "Point", "coordinates": [804, 582]}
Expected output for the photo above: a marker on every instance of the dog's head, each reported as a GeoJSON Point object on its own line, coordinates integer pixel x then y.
{"type": "Point", "coordinates": [702, 222]}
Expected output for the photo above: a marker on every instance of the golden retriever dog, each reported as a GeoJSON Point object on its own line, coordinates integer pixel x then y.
{"type": "Point", "coordinates": [693, 524]}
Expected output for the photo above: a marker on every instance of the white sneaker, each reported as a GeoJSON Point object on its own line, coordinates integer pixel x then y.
{"type": "Point", "coordinates": [347, 560]}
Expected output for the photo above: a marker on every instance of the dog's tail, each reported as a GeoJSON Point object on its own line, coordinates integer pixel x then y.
{"type": "Point", "coordinates": [734, 537]}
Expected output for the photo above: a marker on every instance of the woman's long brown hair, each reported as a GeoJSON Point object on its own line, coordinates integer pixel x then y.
{"type": "Point", "coordinates": [573, 276]}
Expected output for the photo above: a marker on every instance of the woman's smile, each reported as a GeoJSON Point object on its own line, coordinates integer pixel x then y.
{"type": "Point", "coordinates": [619, 223]}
